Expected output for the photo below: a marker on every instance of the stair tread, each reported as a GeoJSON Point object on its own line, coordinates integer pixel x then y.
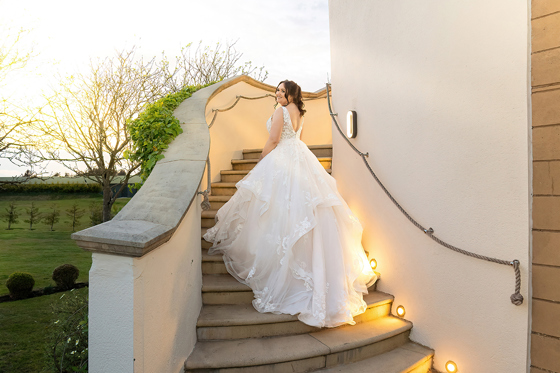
{"type": "Point", "coordinates": [256, 160]}
{"type": "Point", "coordinates": [312, 147]}
{"type": "Point", "coordinates": [218, 283]}
{"type": "Point", "coordinates": [234, 172]}
{"type": "Point", "coordinates": [244, 161]}
{"type": "Point", "coordinates": [353, 336]}
{"type": "Point", "coordinates": [398, 360]}
{"type": "Point", "coordinates": [218, 198]}
{"type": "Point", "coordinates": [210, 258]}
{"type": "Point", "coordinates": [221, 184]}
{"type": "Point", "coordinates": [249, 352]}
{"type": "Point", "coordinates": [245, 314]}
{"type": "Point", "coordinates": [209, 214]}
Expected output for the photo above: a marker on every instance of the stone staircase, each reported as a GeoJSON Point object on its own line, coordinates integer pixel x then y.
{"type": "Point", "coordinates": [233, 337]}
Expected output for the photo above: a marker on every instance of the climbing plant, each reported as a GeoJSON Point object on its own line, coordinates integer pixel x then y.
{"type": "Point", "coordinates": [154, 128]}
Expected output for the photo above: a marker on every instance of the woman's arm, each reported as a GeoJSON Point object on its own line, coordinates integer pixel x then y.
{"type": "Point", "coordinates": [275, 132]}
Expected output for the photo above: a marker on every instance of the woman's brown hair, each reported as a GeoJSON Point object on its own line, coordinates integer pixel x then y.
{"type": "Point", "coordinates": [294, 90]}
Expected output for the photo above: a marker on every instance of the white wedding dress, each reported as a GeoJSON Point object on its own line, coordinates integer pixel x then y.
{"type": "Point", "coordinates": [288, 234]}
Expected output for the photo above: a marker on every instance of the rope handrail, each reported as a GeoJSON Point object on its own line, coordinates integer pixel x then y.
{"type": "Point", "coordinates": [516, 298]}
{"type": "Point", "coordinates": [238, 98]}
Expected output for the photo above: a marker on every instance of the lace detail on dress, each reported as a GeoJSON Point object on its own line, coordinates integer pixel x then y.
{"type": "Point", "coordinates": [287, 128]}
{"type": "Point", "coordinates": [288, 234]}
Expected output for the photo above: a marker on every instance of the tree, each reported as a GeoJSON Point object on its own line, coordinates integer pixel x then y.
{"type": "Point", "coordinates": [95, 214]}
{"type": "Point", "coordinates": [206, 65]}
{"type": "Point", "coordinates": [11, 215]}
{"type": "Point", "coordinates": [75, 214]}
{"type": "Point", "coordinates": [52, 217]}
{"type": "Point", "coordinates": [33, 214]}
{"type": "Point", "coordinates": [15, 141]}
{"type": "Point", "coordinates": [85, 120]}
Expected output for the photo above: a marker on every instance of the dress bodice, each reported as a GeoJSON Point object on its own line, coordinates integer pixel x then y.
{"type": "Point", "coordinates": [288, 128]}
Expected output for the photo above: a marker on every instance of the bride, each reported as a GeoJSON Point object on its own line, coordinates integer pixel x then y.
{"type": "Point", "coordinates": [288, 234]}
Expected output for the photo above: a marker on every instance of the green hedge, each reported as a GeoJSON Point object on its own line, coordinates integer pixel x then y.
{"type": "Point", "coordinates": [155, 128]}
{"type": "Point", "coordinates": [51, 188]}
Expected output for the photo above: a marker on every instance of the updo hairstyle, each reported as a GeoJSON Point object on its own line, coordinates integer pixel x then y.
{"type": "Point", "coordinates": [294, 90]}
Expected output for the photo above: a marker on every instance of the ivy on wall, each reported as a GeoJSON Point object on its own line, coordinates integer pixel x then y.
{"type": "Point", "coordinates": [154, 129]}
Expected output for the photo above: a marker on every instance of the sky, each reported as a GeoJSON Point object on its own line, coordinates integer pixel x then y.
{"type": "Point", "coordinates": [290, 38]}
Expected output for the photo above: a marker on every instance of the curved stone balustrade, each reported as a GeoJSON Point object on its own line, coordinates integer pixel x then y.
{"type": "Point", "coordinates": [145, 280]}
{"type": "Point", "coordinates": [154, 213]}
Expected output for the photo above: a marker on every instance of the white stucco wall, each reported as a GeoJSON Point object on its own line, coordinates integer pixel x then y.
{"type": "Point", "coordinates": [244, 126]}
{"type": "Point", "coordinates": [441, 91]}
{"type": "Point", "coordinates": [143, 311]}
{"type": "Point", "coordinates": [167, 299]}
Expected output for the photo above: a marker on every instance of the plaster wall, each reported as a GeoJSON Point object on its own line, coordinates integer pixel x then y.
{"type": "Point", "coordinates": [111, 314]}
{"type": "Point", "coordinates": [441, 91]}
{"type": "Point", "coordinates": [143, 311]}
{"type": "Point", "coordinates": [167, 299]}
{"type": "Point", "coordinates": [244, 126]}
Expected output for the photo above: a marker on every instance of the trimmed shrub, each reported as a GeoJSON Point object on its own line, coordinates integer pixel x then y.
{"type": "Point", "coordinates": [65, 276]}
{"type": "Point", "coordinates": [20, 285]}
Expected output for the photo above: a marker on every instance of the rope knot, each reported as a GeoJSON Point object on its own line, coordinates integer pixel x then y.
{"type": "Point", "coordinates": [517, 299]}
{"type": "Point", "coordinates": [205, 203]}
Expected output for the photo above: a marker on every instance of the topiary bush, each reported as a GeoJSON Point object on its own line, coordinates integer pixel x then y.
{"type": "Point", "coordinates": [65, 276]}
{"type": "Point", "coordinates": [20, 285]}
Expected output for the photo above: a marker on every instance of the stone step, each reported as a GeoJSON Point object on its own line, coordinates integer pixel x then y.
{"type": "Point", "coordinates": [408, 358]}
{"type": "Point", "coordinates": [205, 244]}
{"type": "Point", "coordinates": [248, 164]}
{"type": "Point", "coordinates": [222, 288]}
{"type": "Point", "coordinates": [223, 189]}
{"type": "Point", "coordinates": [318, 150]}
{"type": "Point", "coordinates": [232, 176]}
{"type": "Point", "coordinates": [208, 217]}
{"type": "Point", "coordinates": [216, 202]}
{"type": "Point", "coordinates": [326, 348]}
{"type": "Point", "coordinates": [220, 322]}
{"type": "Point", "coordinates": [243, 164]}
{"type": "Point", "coordinates": [213, 264]}
{"type": "Point", "coordinates": [222, 283]}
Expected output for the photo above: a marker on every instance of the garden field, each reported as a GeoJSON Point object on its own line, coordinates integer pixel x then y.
{"type": "Point", "coordinates": [24, 323]}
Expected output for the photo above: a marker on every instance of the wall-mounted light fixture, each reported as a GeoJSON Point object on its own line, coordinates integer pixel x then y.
{"type": "Point", "coordinates": [351, 124]}
{"type": "Point", "coordinates": [400, 311]}
{"type": "Point", "coordinates": [451, 367]}
{"type": "Point", "coordinates": [373, 263]}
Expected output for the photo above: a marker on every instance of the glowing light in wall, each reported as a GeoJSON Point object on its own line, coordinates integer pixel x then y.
{"type": "Point", "coordinates": [351, 124]}
{"type": "Point", "coordinates": [451, 367]}
{"type": "Point", "coordinates": [373, 263]}
{"type": "Point", "coordinates": [401, 311]}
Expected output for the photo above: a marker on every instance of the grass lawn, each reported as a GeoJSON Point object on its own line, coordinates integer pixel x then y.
{"type": "Point", "coordinates": [23, 323]}
{"type": "Point", "coordinates": [40, 251]}
{"type": "Point", "coordinates": [23, 333]}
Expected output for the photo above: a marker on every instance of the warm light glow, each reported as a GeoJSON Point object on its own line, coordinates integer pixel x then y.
{"type": "Point", "coordinates": [373, 263]}
{"type": "Point", "coordinates": [451, 367]}
{"type": "Point", "coordinates": [400, 311]}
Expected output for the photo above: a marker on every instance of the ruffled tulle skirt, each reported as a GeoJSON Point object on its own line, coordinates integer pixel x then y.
{"type": "Point", "coordinates": [289, 235]}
